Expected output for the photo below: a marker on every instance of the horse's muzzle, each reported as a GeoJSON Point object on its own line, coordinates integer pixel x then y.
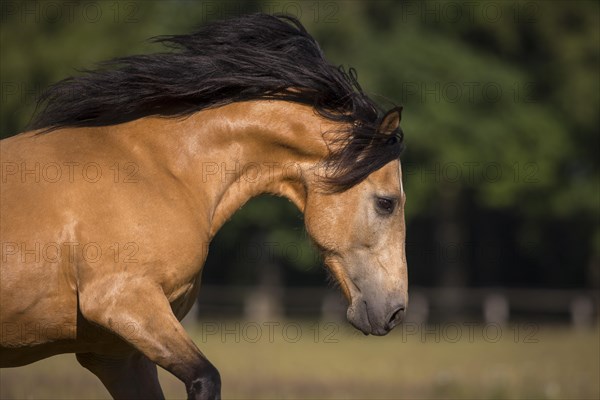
{"type": "Point", "coordinates": [375, 318]}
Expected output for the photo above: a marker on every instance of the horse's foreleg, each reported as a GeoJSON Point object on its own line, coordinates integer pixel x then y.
{"type": "Point", "coordinates": [139, 312]}
{"type": "Point", "coordinates": [132, 376]}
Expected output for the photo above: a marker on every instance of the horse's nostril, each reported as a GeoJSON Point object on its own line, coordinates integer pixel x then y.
{"type": "Point", "coordinates": [396, 317]}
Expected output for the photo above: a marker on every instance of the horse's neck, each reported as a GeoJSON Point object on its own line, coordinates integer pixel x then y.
{"type": "Point", "coordinates": [227, 155]}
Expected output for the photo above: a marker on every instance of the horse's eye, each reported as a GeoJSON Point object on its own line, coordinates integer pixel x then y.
{"type": "Point", "coordinates": [385, 205]}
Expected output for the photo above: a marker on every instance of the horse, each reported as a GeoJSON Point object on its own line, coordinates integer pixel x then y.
{"type": "Point", "coordinates": [129, 170]}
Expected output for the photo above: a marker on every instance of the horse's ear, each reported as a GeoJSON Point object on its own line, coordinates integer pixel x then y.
{"type": "Point", "coordinates": [390, 121]}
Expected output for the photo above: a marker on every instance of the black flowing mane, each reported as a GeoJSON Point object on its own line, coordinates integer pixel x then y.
{"type": "Point", "coordinates": [247, 58]}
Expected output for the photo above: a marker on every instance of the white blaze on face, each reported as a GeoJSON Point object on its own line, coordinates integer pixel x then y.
{"type": "Point", "coordinates": [400, 177]}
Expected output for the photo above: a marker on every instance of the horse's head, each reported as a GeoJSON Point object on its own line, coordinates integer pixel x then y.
{"type": "Point", "coordinates": [362, 234]}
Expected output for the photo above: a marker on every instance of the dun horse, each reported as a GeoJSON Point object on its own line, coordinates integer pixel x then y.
{"type": "Point", "coordinates": [131, 169]}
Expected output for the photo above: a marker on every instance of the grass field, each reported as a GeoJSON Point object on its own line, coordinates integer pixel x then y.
{"type": "Point", "coordinates": [330, 360]}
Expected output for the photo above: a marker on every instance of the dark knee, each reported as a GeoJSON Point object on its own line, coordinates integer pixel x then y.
{"type": "Point", "coordinates": [206, 385]}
